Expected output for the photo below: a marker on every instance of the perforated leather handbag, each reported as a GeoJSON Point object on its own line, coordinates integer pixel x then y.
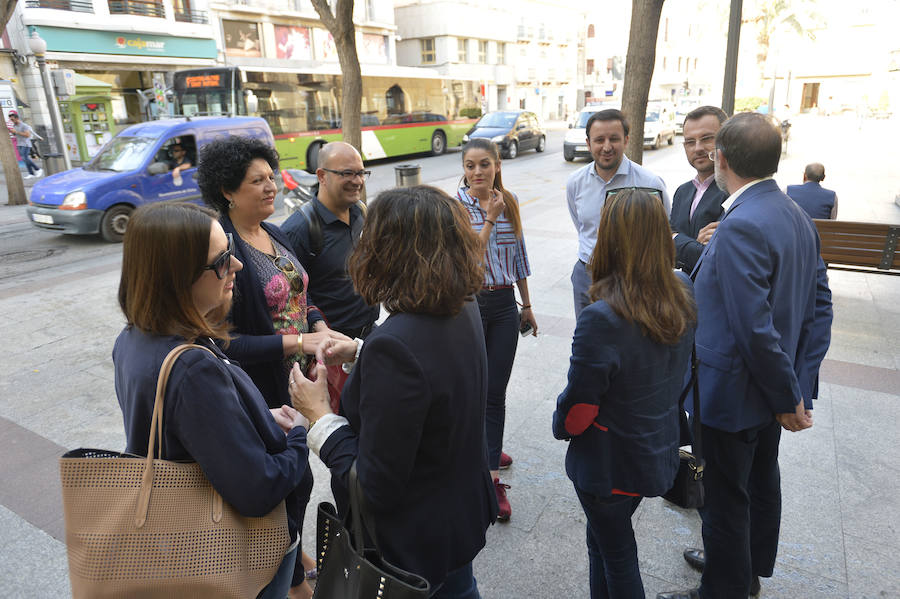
{"type": "Point", "coordinates": [147, 527]}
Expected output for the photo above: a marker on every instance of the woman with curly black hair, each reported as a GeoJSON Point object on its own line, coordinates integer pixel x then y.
{"type": "Point", "coordinates": [274, 327]}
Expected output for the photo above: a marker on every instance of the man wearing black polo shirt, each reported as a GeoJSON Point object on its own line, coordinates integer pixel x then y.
{"type": "Point", "coordinates": [339, 220]}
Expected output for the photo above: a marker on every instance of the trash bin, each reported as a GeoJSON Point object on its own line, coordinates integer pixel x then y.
{"type": "Point", "coordinates": [53, 163]}
{"type": "Point", "coordinates": [407, 175]}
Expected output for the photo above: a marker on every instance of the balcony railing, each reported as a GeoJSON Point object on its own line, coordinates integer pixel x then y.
{"type": "Point", "coordinates": [192, 16]}
{"type": "Point", "coordinates": [72, 5]}
{"type": "Point", "coordinates": [143, 8]}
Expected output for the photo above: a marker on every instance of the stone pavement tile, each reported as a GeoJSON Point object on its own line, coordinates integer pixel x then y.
{"type": "Point", "coordinates": [549, 561]}
{"type": "Point", "coordinates": [34, 494]}
{"type": "Point", "coordinates": [871, 568]}
{"type": "Point", "coordinates": [34, 564]}
{"type": "Point", "coordinates": [868, 473]}
{"type": "Point", "coordinates": [662, 531]}
{"type": "Point", "coordinates": [789, 583]}
{"type": "Point", "coordinates": [859, 337]}
{"type": "Point", "coordinates": [882, 358]}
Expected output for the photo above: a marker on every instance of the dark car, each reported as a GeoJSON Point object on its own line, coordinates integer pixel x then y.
{"type": "Point", "coordinates": [512, 130]}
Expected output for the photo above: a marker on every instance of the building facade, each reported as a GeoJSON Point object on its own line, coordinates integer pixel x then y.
{"type": "Point", "coordinates": [524, 54]}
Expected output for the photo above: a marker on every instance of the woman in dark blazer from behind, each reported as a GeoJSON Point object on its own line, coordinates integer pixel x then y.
{"type": "Point", "coordinates": [412, 411]}
{"type": "Point", "coordinates": [630, 352]}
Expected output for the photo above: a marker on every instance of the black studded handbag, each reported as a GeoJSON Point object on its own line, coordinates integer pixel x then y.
{"type": "Point", "coordinates": [687, 489]}
{"type": "Point", "coordinates": [347, 569]}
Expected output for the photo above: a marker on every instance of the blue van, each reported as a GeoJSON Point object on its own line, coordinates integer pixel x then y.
{"type": "Point", "coordinates": [134, 168]}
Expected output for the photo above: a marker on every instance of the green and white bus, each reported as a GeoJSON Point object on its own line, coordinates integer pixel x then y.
{"type": "Point", "coordinates": [400, 115]}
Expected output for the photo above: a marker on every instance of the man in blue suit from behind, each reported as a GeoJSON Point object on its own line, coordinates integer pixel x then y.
{"type": "Point", "coordinates": [811, 196]}
{"type": "Point", "coordinates": [758, 290]}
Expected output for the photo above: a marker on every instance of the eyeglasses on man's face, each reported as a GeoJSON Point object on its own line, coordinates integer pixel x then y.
{"type": "Point", "coordinates": [222, 264]}
{"type": "Point", "coordinates": [348, 174]}
{"type": "Point", "coordinates": [610, 193]}
{"type": "Point", "coordinates": [704, 142]}
{"type": "Point", "coordinates": [712, 155]}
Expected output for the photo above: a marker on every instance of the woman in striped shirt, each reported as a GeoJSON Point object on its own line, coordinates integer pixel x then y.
{"type": "Point", "coordinates": [494, 213]}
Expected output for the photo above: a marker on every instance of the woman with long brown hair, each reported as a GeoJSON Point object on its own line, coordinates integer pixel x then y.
{"type": "Point", "coordinates": [494, 214]}
{"type": "Point", "coordinates": [630, 352]}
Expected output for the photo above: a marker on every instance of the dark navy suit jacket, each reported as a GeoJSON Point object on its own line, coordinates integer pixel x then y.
{"type": "Point", "coordinates": [709, 209]}
{"type": "Point", "coordinates": [760, 306]}
{"type": "Point", "coordinates": [812, 197]}
{"type": "Point", "coordinates": [415, 402]}
{"type": "Point", "coordinates": [620, 407]}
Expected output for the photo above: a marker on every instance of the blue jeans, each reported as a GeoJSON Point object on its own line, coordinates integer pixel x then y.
{"type": "Point", "coordinates": [25, 153]}
{"type": "Point", "coordinates": [500, 319]}
{"type": "Point", "coordinates": [459, 584]}
{"type": "Point", "coordinates": [612, 550]}
{"type": "Point", "coordinates": [281, 584]}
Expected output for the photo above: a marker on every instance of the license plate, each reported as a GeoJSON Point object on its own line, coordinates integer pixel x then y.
{"type": "Point", "coordinates": [581, 148]}
{"type": "Point", "coordinates": [42, 218]}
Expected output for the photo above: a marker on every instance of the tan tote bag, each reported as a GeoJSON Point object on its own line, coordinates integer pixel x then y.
{"type": "Point", "coordinates": [145, 527]}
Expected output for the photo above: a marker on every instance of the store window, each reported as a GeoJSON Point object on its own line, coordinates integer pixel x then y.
{"type": "Point", "coordinates": [427, 50]}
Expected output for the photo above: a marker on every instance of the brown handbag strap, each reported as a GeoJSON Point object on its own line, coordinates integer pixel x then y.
{"type": "Point", "coordinates": [155, 441]}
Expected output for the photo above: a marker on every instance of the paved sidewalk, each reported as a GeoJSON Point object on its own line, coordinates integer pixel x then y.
{"type": "Point", "coordinates": [841, 479]}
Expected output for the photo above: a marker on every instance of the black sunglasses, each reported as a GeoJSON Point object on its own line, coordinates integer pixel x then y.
{"type": "Point", "coordinates": [222, 264]}
{"type": "Point", "coordinates": [654, 192]}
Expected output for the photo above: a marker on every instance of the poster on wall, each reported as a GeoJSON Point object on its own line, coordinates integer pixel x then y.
{"type": "Point", "coordinates": [325, 48]}
{"type": "Point", "coordinates": [241, 38]}
{"type": "Point", "coordinates": [373, 48]}
{"type": "Point", "coordinates": [292, 43]}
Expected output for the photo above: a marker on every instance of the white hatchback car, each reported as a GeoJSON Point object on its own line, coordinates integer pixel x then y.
{"type": "Point", "coordinates": [575, 143]}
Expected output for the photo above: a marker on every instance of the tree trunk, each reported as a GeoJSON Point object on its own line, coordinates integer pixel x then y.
{"type": "Point", "coordinates": [15, 187]}
{"type": "Point", "coordinates": [340, 24]}
{"type": "Point", "coordinates": [639, 64]}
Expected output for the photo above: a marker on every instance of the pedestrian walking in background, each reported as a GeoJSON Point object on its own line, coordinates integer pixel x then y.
{"type": "Point", "coordinates": [494, 214]}
{"type": "Point", "coordinates": [817, 201]}
{"type": "Point", "coordinates": [273, 325]}
{"type": "Point", "coordinates": [412, 411]}
{"type": "Point", "coordinates": [178, 274]}
{"type": "Point", "coordinates": [26, 137]}
{"type": "Point", "coordinates": [620, 409]}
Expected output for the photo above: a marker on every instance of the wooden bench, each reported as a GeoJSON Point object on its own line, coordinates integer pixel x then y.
{"type": "Point", "coordinates": [860, 247]}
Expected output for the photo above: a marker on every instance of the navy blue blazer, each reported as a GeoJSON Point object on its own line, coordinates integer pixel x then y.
{"type": "Point", "coordinates": [620, 407]}
{"type": "Point", "coordinates": [756, 288]}
{"type": "Point", "coordinates": [415, 402]}
{"type": "Point", "coordinates": [255, 344]}
{"type": "Point", "coordinates": [812, 197]}
{"type": "Point", "coordinates": [213, 415]}
{"type": "Point", "coordinates": [709, 209]}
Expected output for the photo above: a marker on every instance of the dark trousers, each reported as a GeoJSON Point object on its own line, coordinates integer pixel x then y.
{"type": "Point", "coordinates": [500, 319]}
{"type": "Point", "coordinates": [742, 511]}
{"type": "Point", "coordinates": [612, 550]}
{"type": "Point", "coordinates": [459, 584]}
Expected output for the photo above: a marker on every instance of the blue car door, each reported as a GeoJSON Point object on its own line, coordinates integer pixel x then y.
{"type": "Point", "coordinates": [172, 185]}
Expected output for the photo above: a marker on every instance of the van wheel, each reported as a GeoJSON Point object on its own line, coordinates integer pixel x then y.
{"type": "Point", "coordinates": [312, 156]}
{"type": "Point", "coordinates": [671, 140]}
{"type": "Point", "coordinates": [656, 143]}
{"type": "Point", "coordinates": [542, 144]}
{"type": "Point", "coordinates": [114, 223]}
{"type": "Point", "coordinates": [569, 155]}
{"type": "Point", "coordinates": [438, 143]}
{"type": "Point", "coordinates": [513, 150]}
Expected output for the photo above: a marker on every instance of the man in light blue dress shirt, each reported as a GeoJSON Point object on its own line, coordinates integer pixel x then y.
{"type": "Point", "coordinates": [607, 136]}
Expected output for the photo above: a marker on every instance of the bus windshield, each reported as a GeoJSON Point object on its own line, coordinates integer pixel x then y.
{"type": "Point", "coordinates": [122, 154]}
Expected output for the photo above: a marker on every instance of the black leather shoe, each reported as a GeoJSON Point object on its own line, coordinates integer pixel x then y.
{"type": "Point", "coordinates": [695, 558]}
{"type": "Point", "coordinates": [755, 587]}
{"type": "Point", "coordinates": [689, 594]}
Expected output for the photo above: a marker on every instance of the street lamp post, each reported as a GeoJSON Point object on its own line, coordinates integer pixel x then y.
{"type": "Point", "coordinates": [39, 49]}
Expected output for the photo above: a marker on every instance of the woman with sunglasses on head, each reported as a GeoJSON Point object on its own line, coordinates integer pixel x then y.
{"type": "Point", "coordinates": [274, 328]}
{"type": "Point", "coordinates": [178, 273]}
{"type": "Point", "coordinates": [631, 349]}
{"type": "Point", "coordinates": [494, 214]}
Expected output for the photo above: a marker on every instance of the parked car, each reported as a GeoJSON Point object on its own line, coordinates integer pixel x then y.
{"type": "Point", "coordinates": [575, 143]}
{"type": "Point", "coordinates": [682, 108]}
{"type": "Point", "coordinates": [512, 130]}
{"type": "Point", "coordinates": [659, 124]}
{"type": "Point", "coordinates": [132, 169]}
